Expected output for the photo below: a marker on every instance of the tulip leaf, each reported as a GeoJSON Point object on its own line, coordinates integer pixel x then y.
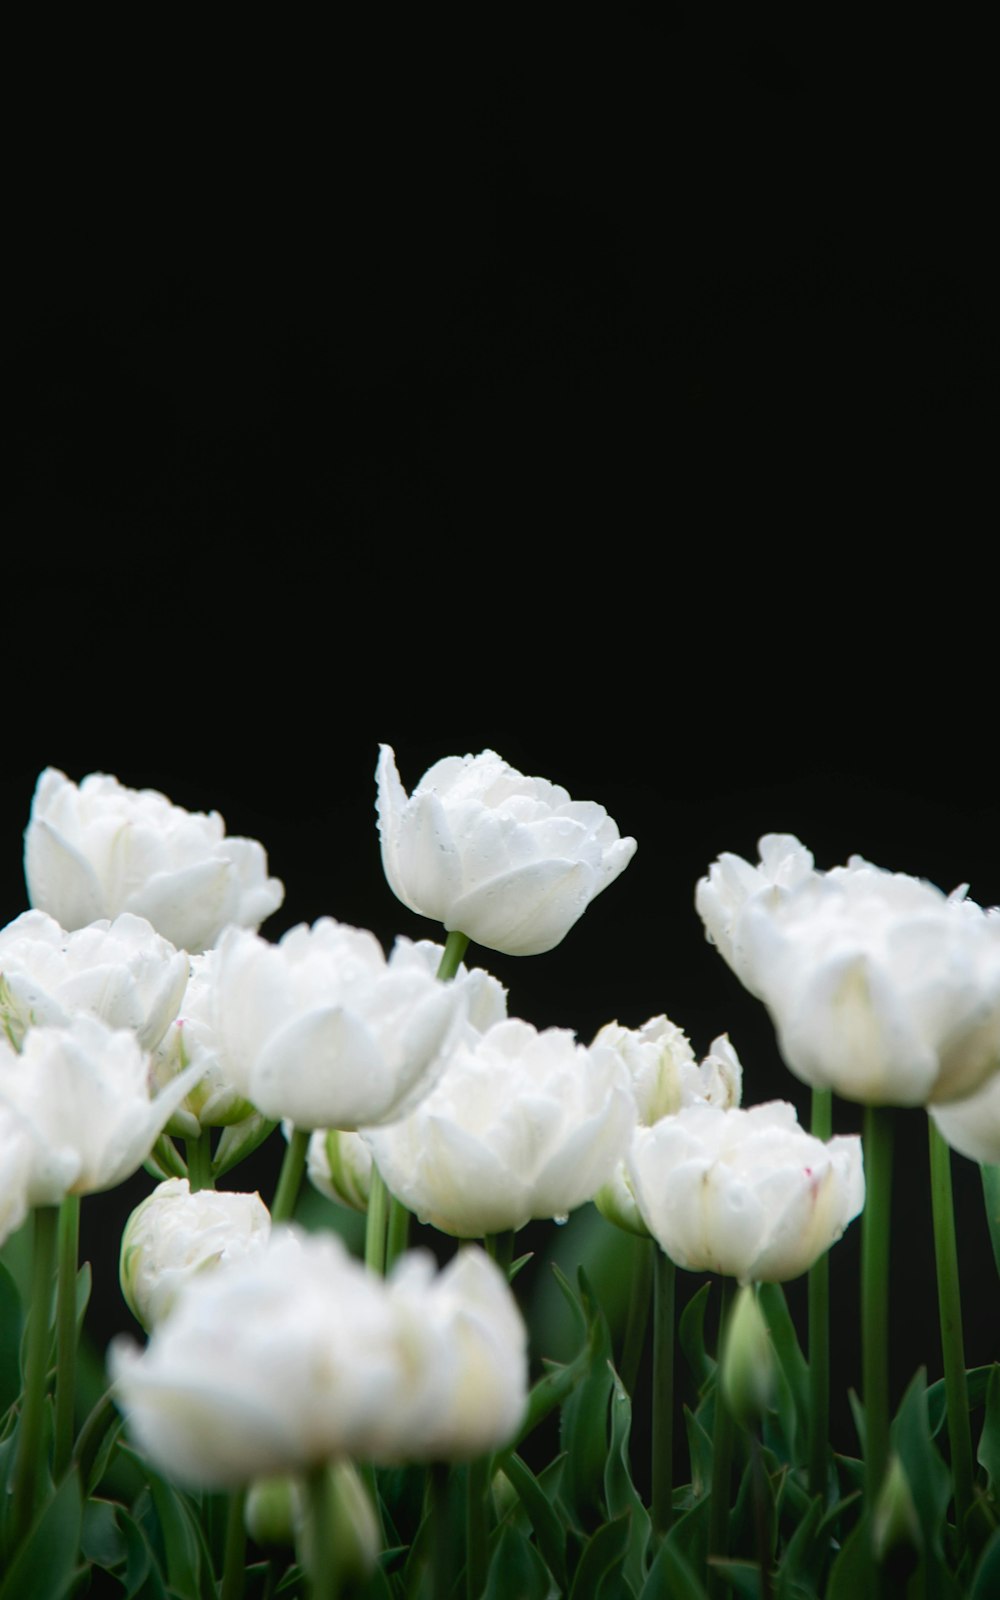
{"type": "Point", "coordinates": [165, 1160]}
{"type": "Point", "coordinates": [516, 1569]}
{"type": "Point", "coordinates": [548, 1529]}
{"type": "Point", "coordinates": [516, 1266]}
{"type": "Point", "coordinates": [584, 1438]}
{"type": "Point", "coordinates": [101, 1539]}
{"type": "Point", "coordinates": [977, 1381]}
{"type": "Point", "coordinates": [853, 1570]}
{"type": "Point", "coordinates": [700, 1453]}
{"type": "Point", "coordinates": [986, 1583]}
{"type": "Point", "coordinates": [569, 1295]}
{"type": "Point", "coordinates": [689, 1535]}
{"type": "Point", "coordinates": [620, 1492]}
{"type": "Point", "coordinates": [802, 1560]}
{"type": "Point", "coordinates": [48, 1562]}
{"type": "Point", "coordinates": [927, 1475]}
{"type": "Point", "coordinates": [691, 1335]}
{"type": "Point", "coordinates": [671, 1577]}
{"type": "Point", "coordinates": [187, 1567]}
{"type": "Point", "coordinates": [754, 1512]}
{"type": "Point", "coordinates": [141, 1575]}
{"type": "Point", "coordinates": [793, 1369]}
{"type": "Point", "coordinates": [743, 1577]}
{"type": "Point", "coordinates": [988, 1452]}
{"type": "Point", "coordinates": [10, 1340]}
{"type": "Point", "coordinates": [240, 1140]}
{"type": "Point", "coordinates": [602, 1551]}
{"type": "Point", "coordinates": [84, 1285]}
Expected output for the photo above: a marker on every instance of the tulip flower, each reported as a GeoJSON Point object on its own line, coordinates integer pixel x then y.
{"type": "Point", "coordinates": [121, 972]}
{"type": "Point", "coordinates": [298, 1356]}
{"type": "Point", "coordinates": [80, 1096]}
{"type": "Point", "coordinates": [96, 850]}
{"type": "Point", "coordinates": [747, 1193]}
{"type": "Point", "coordinates": [510, 861]}
{"type": "Point", "coordinates": [322, 1030]}
{"type": "Point", "coordinates": [880, 986]}
{"type": "Point", "coordinates": [15, 1154]}
{"type": "Point", "coordinates": [212, 1102]}
{"type": "Point", "coordinates": [721, 897]}
{"type": "Point", "coordinates": [521, 1124]}
{"type": "Point", "coordinates": [175, 1234]}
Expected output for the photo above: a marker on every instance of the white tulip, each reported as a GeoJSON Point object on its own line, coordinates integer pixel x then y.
{"type": "Point", "coordinates": [121, 972]}
{"type": "Point", "coordinates": [721, 897]}
{"type": "Point", "coordinates": [212, 1102]}
{"type": "Point", "coordinates": [880, 986]}
{"type": "Point", "coordinates": [299, 1355]}
{"type": "Point", "coordinates": [96, 850]}
{"type": "Point", "coordinates": [510, 861]}
{"type": "Point", "coordinates": [747, 1193]}
{"type": "Point", "coordinates": [972, 1126]}
{"type": "Point", "coordinates": [665, 1077]}
{"type": "Point", "coordinates": [322, 1029]}
{"type": "Point", "coordinates": [521, 1124]}
{"type": "Point", "coordinates": [15, 1170]}
{"type": "Point", "coordinates": [175, 1234]}
{"type": "Point", "coordinates": [80, 1095]}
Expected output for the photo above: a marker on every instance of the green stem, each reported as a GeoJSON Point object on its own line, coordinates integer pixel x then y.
{"type": "Point", "coordinates": [290, 1177]}
{"type": "Point", "coordinates": [199, 1161]}
{"type": "Point", "coordinates": [950, 1311]}
{"type": "Point", "coordinates": [637, 1318]}
{"type": "Point", "coordinates": [878, 1128]}
{"type": "Point", "coordinates": [234, 1561]}
{"type": "Point", "coordinates": [324, 1567]}
{"type": "Point", "coordinates": [398, 1236]}
{"type": "Point", "coordinates": [442, 1545]}
{"type": "Point", "coordinates": [375, 1226]}
{"type": "Point", "coordinates": [723, 1440]}
{"type": "Point", "coordinates": [28, 1466]}
{"type": "Point", "coordinates": [476, 1533]}
{"type": "Point", "coordinates": [991, 1198]}
{"type": "Point", "coordinates": [455, 947]}
{"type": "Point", "coordinates": [664, 1295]}
{"type": "Point", "coordinates": [819, 1329]}
{"type": "Point", "coordinates": [67, 1249]}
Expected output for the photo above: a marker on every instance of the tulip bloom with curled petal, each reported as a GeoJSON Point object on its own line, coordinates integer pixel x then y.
{"type": "Point", "coordinates": [190, 1039]}
{"type": "Point", "coordinates": [510, 861]}
{"type": "Point", "coordinates": [300, 1355]}
{"type": "Point", "coordinates": [121, 972]}
{"type": "Point", "coordinates": [521, 1124]}
{"type": "Point", "coordinates": [720, 898]}
{"type": "Point", "coordinates": [80, 1095]}
{"type": "Point", "coordinates": [880, 986]}
{"type": "Point", "coordinates": [99, 849]}
{"type": "Point", "coordinates": [747, 1193]}
{"type": "Point", "coordinates": [322, 1029]}
{"type": "Point", "coordinates": [175, 1234]}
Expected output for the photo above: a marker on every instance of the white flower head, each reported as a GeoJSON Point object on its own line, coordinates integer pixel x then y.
{"type": "Point", "coordinates": [96, 850]}
{"type": "Point", "coordinates": [510, 861]}
{"type": "Point", "coordinates": [521, 1124]}
{"type": "Point", "coordinates": [747, 1193]}
{"type": "Point", "coordinates": [299, 1355]}
{"type": "Point", "coordinates": [15, 1173]}
{"type": "Point", "coordinates": [121, 972]}
{"type": "Point", "coordinates": [174, 1234]}
{"type": "Point", "coordinates": [212, 1102]}
{"type": "Point", "coordinates": [81, 1097]}
{"type": "Point", "coordinates": [722, 896]}
{"type": "Point", "coordinates": [322, 1029]}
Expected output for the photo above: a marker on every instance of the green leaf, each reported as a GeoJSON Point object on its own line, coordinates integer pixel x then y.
{"type": "Point", "coordinates": [182, 1540]}
{"type": "Point", "coordinates": [743, 1577]}
{"type": "Point", "coordinates": [602, 1551]}
{"type": "Point", "coordinates": [793, 1369]}
{"type": "Point", "coordinates": [986, 1583]}
{"type": "Point", "coordinates": [142, 1576]}
{"type": "Point", "coordinates": [977, 1379]}
{"type": "Point", "coordinates": [928, 1478]}
{"type": "Point", "coordinates": [671, 1577]}
{"type": "Point", "coordinates": [799, 1566]}
{"type": "Point", "coordinates": [755, 1485]}
{"type": "Point", "coordinates": [548, 1530]}
{"type": "Point", "coordinates": [689, 1535]}
{"type": "Point", "coordinates": [691, 1336]}
{"type": "Point", "coordinates": [619, 1491]}
{"type": "Point", "coordinates": [10, 1340]}
{"type": "Point", "coordinates": [853, 1572]}
{"type": "Point", "coordinates": [165, 1160]}
{"type": "Point", "coordinates": [988, 1452]}
{"type": "Point", "coordinates": [700, 1454]}
{"type": "Point", "coordinates": [584, 1421]}
{"type": "Point", "coordinates": [516, 1570]}
{"type": "Point", "coordinates": [516, 1266]}
{"type": "Point", "coordinates": [84, 1284]}
{"type": "Point", "coordinates": [47, 1564]}
{"type": "Point", "coordinates": [240, 1140]}
{"type": "Point", "coordinates": [102, 1540]}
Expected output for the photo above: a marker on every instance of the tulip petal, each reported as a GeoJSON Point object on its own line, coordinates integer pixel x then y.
{"type": "Point", "coordinates": [60, 879]}
{"type": "Point", "coordinates": [525, 912]}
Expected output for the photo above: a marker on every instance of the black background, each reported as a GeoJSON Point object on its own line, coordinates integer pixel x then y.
{"type": "Point", "coordinates": [619, 395]}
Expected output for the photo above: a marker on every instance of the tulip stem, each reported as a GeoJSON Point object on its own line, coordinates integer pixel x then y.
{"type": "Point", "coordinates": [723, 1441]}
{"type": "Point", "coordinates": [950, 1312]}
{"type": "Point", "coordinates": [29, 1454]}
{"type": "Point", "coordinates": [67, 1250]}
{"type": "Point", "coordinates": [878, 1130]}
{"type": "Point", "coordinates": [455, 947]}
{"type": "Point", "coordinates": [664, 1296]}
{"type": "Point", "coordinates": [819, 1329]}
{"type": "Point", "coordinates": [637, 1318]}
{"type": "Point", "coordinates": [477, 1488]}
{"type": "Point", "coordinates": [324, 1566]}
{"type": "Point", "coordinates": [442, 1547]}
{"type": "Point", "coordinates": [991, 1198]}
{"type": "Point", "coordinates": [398, 1233]}
{"type": "Point", "coordinates": [375, 1226]}
{"type": "Point", "coordinates": [234, 1561]}
{"type": "Point", "coordinates": [290, 1177]}
{"type": "Point", "coordinates": [199, 1161]}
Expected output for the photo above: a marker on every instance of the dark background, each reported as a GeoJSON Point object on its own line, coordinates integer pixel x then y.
{"type": "Point", "coordinates": [617, 395]}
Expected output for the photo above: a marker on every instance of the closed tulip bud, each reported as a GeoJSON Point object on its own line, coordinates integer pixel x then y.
{"type": "Point", "coordinates": [272, 1512]}
{"type": "Point", "coordinates": [99, 849]}
{"type": "Point", "coordinates": [339, 1165]}
{"type": "Point", "coordinates": [896, 1531]}
{"type": "Point", "coordinates": [174, 1234]}
{"type": "Point", "coordinates": [352, 1531]}
{"type": "Point", "coordinates": [510, 861]}
{"type": "Point", "coordinates": [748, 1372]}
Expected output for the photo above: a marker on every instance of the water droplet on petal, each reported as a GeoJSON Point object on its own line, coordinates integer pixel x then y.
{"type": "Point", "coordinates": [560, 1220]}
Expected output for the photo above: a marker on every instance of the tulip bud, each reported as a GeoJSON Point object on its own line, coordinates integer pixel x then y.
{"type": "Point", "coordinates": [896, 1531]}
{"type": "Point", "coordinates": [747, 1375]}
{"type": "Point", "coordinates": [272, 1512]}
{"type": "Point", "coordinates": [175, 1235]}
{"type": "Point", "coordinates": [340, 1166]}
{"type": "Point", "coordinates": [352, 1528]}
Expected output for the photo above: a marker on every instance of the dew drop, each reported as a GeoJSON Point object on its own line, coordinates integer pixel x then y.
{"type": "Point", "coordinates": [559, 1221]}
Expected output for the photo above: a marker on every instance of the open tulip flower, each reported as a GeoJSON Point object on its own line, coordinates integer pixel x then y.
{"type": "Point", "coordinates": [510, 861]}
